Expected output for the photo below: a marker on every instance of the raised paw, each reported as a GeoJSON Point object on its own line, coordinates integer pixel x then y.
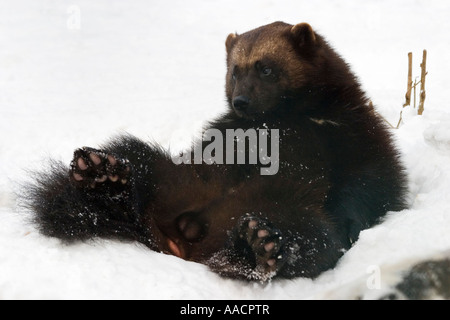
{"type": "Point", "coordinates": [92, 168]}
{"type": "Point", "coordinates": [265, 243]}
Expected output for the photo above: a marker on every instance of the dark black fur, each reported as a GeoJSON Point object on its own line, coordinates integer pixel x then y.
{"type": "Point", "coordinates": [339, 173]}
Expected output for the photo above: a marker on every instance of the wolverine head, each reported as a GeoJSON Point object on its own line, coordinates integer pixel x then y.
{"type": "Point", "coordinates": [270, 67]}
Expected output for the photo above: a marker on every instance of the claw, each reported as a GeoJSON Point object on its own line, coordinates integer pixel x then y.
{"type": "Point", "coordinates": [102, 179]}
{"type": "Point", "coordinates": [269, 246]}
{"type": "Point", "coordinates": [112, 160]}
{"type": "Point", "coordinates": [252, 224]}
{"type": "Point", "coordinates": [263, 233]}
{"type": "Point", "coordinates": [114, 178]}
{"type": "Point", "coordinates": [77, 177]}
{"type": "Point", "coordinates": [271, 262]}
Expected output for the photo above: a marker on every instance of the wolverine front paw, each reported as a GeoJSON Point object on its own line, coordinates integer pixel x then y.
{"type": "Point", "coordinates": [91, 168]}
{"type": "Point", "coordinates": [264, 243]}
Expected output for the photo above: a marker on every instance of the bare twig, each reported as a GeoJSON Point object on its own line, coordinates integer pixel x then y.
{"type": "Point", "coordinates": [380, 115]}
{"type": "Point", "coordinates": [422, 82]}
{"type": "Point", "coordinates": [415, 86]}
{"type": "Point", "coordinates": [399, 120]}
{"type": "Point", "coordinates": [409, 84]}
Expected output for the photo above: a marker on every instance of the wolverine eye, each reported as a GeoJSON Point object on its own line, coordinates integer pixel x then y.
{"type": "Point", "coordinates": [263, 69]}
{"type": "Point", "coordinates": [266, 71]}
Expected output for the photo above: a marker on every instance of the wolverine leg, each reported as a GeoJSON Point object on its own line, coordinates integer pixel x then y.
{"type": "Point", "coordinates": [101, 194]}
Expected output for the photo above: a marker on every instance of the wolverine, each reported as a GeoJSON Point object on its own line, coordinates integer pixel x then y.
{"type": "Point", "coordinates": [339, 171]}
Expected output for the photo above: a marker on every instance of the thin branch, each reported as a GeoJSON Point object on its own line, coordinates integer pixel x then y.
{"type": "Point", "coordinates": [422, 83]}
{"type": "Point", "coordinates": [409, 82]}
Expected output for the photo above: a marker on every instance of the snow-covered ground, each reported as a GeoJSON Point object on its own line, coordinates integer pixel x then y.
{"type": "Point", "coordinates": [73, 73]}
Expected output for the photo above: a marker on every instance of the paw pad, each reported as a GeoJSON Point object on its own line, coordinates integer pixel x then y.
{"type": "Point", "coordinates": [91, 168]}
{"type": "Point", "coordinates": [265, 242]}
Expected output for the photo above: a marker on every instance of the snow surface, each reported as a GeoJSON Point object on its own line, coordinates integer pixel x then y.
{"type": "Point", "coordinates": [73, 73]}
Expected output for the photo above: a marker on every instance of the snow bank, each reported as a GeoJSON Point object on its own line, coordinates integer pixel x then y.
{"type": "Point", "coordinates": [156, 69]}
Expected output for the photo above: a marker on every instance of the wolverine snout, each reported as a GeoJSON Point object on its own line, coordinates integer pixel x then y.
{"type": "Point", "coordinates": [241, 103]}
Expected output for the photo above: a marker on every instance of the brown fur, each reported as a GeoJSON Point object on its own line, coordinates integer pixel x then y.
{"type": "Point", "coordinates": [339, 171]}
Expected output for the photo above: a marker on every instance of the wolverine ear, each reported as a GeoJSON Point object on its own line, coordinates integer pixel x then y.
{"type": "Point", "coordinates": [229, 43]}
{"type": "Point", "coordinates": [303, 34]}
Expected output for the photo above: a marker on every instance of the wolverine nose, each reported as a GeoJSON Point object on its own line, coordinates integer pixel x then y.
{"type": "Point", "coordinates": [241, 103]}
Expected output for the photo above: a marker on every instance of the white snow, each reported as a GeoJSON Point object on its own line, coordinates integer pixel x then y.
{"type": "Point", "coordinates": [74, 73]}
